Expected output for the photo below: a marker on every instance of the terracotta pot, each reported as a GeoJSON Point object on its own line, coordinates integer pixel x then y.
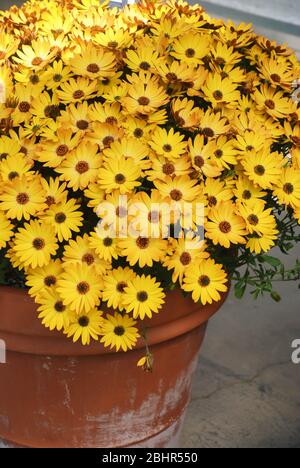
{"type": "Point", "coordinates": [57, 394]}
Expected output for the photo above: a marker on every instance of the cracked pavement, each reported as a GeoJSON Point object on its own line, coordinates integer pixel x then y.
{"type": "Point", "coordinates": [246, 391]}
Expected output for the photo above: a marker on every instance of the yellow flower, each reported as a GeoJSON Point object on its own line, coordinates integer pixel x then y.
{"type": "Point", "coordinates": [264, 168]}
{"type": "Point", "coordinates": [262, 243]}
{"type": "Point", "coordinates": [65, 219]}
{"type": "Point", "coordinates": [224, 226]}
{"type": "Point", "coordinates": [144, 95]}
{"type": "Point", "coordinates": [84, 326]}
{"type": "Point", "coordinates": [221, 91]}
{"type": "Point", "coordinates": [245, 190]}
{"type": "Point", "coordinates": [81, 167]}
{"type": "Point", "coordinates": [23, 197]}
{"type": "Point", "coordinates": [168, 144]}
{"type": "Point", "coordinates": [191, 47]}
{"type": "Point", "coordinates": [34, 244]}
{"type": "Point", "coordinates": [119, 174]}
{"type": "Point", "coordinates": [36, 55]}
{"type": "Point", "coordinates": [179, 189]}
{"type": "Point", "coordinates": [55, 75]}
{"type": "Point", "coordinates": [114, 286]}
{"type": "Point", "coordinates": [273, 102]}
{"type": "Point", "coordinates": [106, 247]}
{"type": "Point", "coordinates": [93, 62]}
{"type": "Point", "coordinates": [80, 287]}
{"type": "Point", "coordinates": [186, 252]}
{"type": "Point", "coordinates": [119, 332]}
{"type": "Point", "coordinates": [77, 90]}
{"type": "Point", "coordinates": [54, 314]}
{"type": "Point", "coordinates": [79, 251]}
{"type": "Point", "coordinates": [287, 190]}
{"type": "Point", "coordinates": [201, 155]}
{"type": "Point", "coordinates": [43, 278]}
{"type": "Point", "coordinates": [205, 280]}
{"type": "Point", "coordinates": [258, 219]}
{"type": "Point", "coordinates": [143, 297]}
{"type": "Point", "coordinates": [216, 192]}
{"type": "Point", "coordinates": [142, 250]}
{"type": "Point", "coordinates": [14, 166]}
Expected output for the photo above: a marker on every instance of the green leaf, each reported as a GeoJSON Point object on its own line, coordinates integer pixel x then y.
{"type": "Point", "coordinates": [240, 289]}
{"type": "Point", "coordinates": [275, 296]}
{"type": "Point", "coordinates": [273, 261]}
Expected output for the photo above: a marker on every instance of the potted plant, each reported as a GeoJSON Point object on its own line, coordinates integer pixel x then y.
{"type": "Point", "coordinates": [149, 156]}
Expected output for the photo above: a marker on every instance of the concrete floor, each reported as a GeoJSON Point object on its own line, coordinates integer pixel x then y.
{"type": "Point", "coordinates": [246, 391]}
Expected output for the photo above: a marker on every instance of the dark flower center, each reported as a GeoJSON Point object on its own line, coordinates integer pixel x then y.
{"type": "Point", "coordinates": [167, 148]}
{"type": "Point", "coordinates": [219, 154]}
{"type": "Point", "coordinates": [270, 104]}
{"type": "Point", "coordinates": [208, 132]}
{"type": "Point", "coordinates": [275, 78]}
{"type": "Point", "coordinates": [62, 150]}
{"type": "Point", "coordinates": [168, 168]}
{"type": "Point", "coordinates": [79, 94]}
{"type": "Point", "coordinates": [88, 259]}
{"type": "Point", "coordinates": [246, 195]}
{"type": "Point", "coordinates": [50, 281]}
{"type": "Point", "coordinates": [138, 133]}
{"type": "Point", "coordinates": [83, 287]}
{"type": "Point", "coordinates": [120, 179]}
{"type": "Point", "coordinates": [253, 220]}
{"type": "Point", "coordinates": [22, 198]}
{"type": "Point", "coordinates": [24, 106]}
{"type": "Point", "coordinates": [60, 218]}
{"type": "Point", "coordinates": [111, 120]}
{"type": "Point", "coordinates": [142, 242]}
{"type": "Point", "coordinates": [204, 281]}
{"type": "Point", "coordinates": [119, 330]}
{"type": "Point", "coordinates": [82, 124]}
{"type": "Point", "coordinates": [142, 296]}
{"type": "Point", "coordinates": [107, 242]}
{"type": "Point", "coordinates": [145, 65]}
{"type": "Point", "coordinates": [199, 161]}
{"type": "Point", "coordinates": [38, 243]}
{"type": "Point", "coordinates": [185, 258]}
{"type": "Point", "coordinates": [93, 68]}
{"type": "Point", "coordinates": [108, 140]}
{"type": "Point", "coordinates": [259, 170]}
{"type": "Point", "coordinates": [121, 286]}
{"type": "Point", "coordinates": [190, 53]}
{"type": "Point", "coordinates": [225, 227]}
{"type": "Point", "coordinates": [144, 101]}
{"type": "Point", "coordinates": [82, 167]}
{"type": "Point", "coordinates": [84, 321]}
{"type": "Point", "coordinates": [12, 175]}
{"type": "Point", "coordinates": [59, 306]}
{"type": "Point", "coordinates": [218, 95]}
{"type": "Point", "coordinates": [288, 188]}
{"type": "Point", "coordinates": [37, 61]}
{"type": "Point", "coordinates": [176, 195]}
{"type": "Point", "coordinates": [50, 200]}
{"type": "Point", "coordinates": [212, 201]}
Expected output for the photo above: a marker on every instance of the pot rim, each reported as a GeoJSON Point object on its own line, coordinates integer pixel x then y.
{"type": "Point", "coordinates": [54, 343]}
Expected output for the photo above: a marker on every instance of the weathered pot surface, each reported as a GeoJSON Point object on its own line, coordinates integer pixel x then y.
{"type": "Point", "coordinates": [54, 393]}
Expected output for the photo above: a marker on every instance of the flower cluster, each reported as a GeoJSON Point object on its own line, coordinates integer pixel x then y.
{"type": "Point", "coordinates": [158, 103]}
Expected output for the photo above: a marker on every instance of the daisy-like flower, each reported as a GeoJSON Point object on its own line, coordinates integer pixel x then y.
{"type": "Point", "coordinates": [179, 189]}
{"type": "Point", "coordinates": [14, 166]}
{"type": "Point", "coordinates": [52, 311]}
{"type": "Point", "coordinates": [54, 191]}
{"type": "Point", "coordinates": [258, 218]}
{"type": "Point", "coordinates": [191, 47]}
{"type": "Point", "coordinates": [76, 118]}
{"type": "Point", "coordinates": [216, 192]}
{"type": "Point", "coordinates": [142, 250]}
{"type": "Point", "coordinates": [77, 90]}
{"type": "Point", "coordinates": [245, 190]}
{"type": "Point", "coordinates": [205, 280]}
{"type": "Point", "coordinates": [23, 197]}
{"type": "Point", "coordinates": [273, 102]}
{"type": "Point", "coordinates": [143, 297]}
{"type": "Point", "coordinates": [114, 286]}
{"type": "Point", "coordinates": [224, 226]}
{"type": "Point", "coordinates": [213, 124]}
{"type": "Point", "coordinates": [221, 91]}
{"type": "Point", "coordinates": [55, 75]}
{"type": "Point", "coordinates": [185, 253]}
{"type": "Point", "coordinates": [144, 95]}
{"type": "Point", "coordinates": [34, 244]}
{"type": "Point", "coordinates": [36, 55]}
{"type": "Point", "coordinates": [106, 247]}
{"type": "Point", "coordinates": [119, 174]}
{"type": "Point", "coordinates": [53, 152]}
{"type": "Point", "coordinates": [168, 144]}
{"type": "Point", "coordinates": [84, 326]}
{"type": "Point", "coordinates": [119, 332]}
{"type": "Point", "coordinates": [43, 278]}
{"type": "Point", "coordinates": [6, 230]}
{"type": "Point", "coordinates": [161, 167]}
{"type": "Point", "coordinates": [264, 169]}
{"type": "Point", "coordinates": [259, 243]}
{"type": "Point", "coordinates": [287, 190]}
{"type": "Point", "coordinates": [65, 217]}
{"type": "Point", "coordinates": [93, 62]}
{"type": "Point", "coordinates": [201, 155]}
{"type": "Point", "coordinates": [80, 288]}
{"type": "Point", "coordinates": [79, 251]}
{"type": "Point", "coordinates": [81, 167]}
{"type": "Point", "coordinates": [128, 148]}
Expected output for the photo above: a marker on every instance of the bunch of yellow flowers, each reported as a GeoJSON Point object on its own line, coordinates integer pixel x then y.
{"type": "Point", "coordinates": [156, 103]}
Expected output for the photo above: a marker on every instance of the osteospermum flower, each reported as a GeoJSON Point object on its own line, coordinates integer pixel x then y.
{"type": "Point", "coordinates": [143, 297]}
{"type": "Point", "coordinates": [79, 251]}
{"type": "Point", "coordinates": [144, 95]}
{"type": "Point", "coordinates": [121, 174]}
{"type": "Point", "coordinates": [205, 280]}
{"type": "Point", "coordinates": [80, 288]}
{"type": "Point", "coordinates": [52, 311]}
{"type": "Point", "coordinates": [23, 197]}
{"type": "Point", "coordinates": [85, 326]}
{"type": "Point", "coordinates": [34, 244]}
{"type": "Point", "coordinates": [119, 332]}
{"type": "Point", "coordinates": [287, 190]}
{"type": "Point", "coordinates": [65, 218]}
{"type": "Point", "coordinates": [43, 278]}
{"type": "Point", "coordinates": [114, 286]}
{"type": "Point", "coordinates": [224, 226]}
{"type": "Point", "coordinates": [93, 62]}
{"type": "Point", "coordinates": [264, 169]}
{"type": "Point", "coordinates": [169, 144]}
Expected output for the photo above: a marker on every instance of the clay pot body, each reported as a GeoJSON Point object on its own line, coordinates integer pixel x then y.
{"type": "Point", "coordinates": [54, 393]}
